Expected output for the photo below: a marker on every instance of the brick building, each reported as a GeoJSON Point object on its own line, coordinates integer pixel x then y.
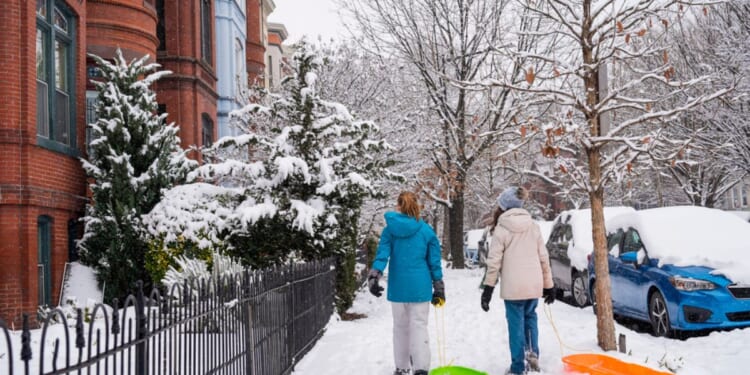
{"type": "Point", "coordinates": [48, 101]}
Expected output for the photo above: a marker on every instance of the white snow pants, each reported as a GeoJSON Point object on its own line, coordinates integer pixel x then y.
{"type": "Point", "coordinates": [411, 343]}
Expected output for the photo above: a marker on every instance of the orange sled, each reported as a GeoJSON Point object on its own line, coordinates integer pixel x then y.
{"type": "Point", "coordinates": [600, 364]}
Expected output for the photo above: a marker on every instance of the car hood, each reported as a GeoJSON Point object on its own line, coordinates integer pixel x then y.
{"type": "Point", "coordinates": [697, 272]}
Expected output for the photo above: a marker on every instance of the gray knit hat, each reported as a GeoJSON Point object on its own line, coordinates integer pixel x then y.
{"type": "Point", "coordinates": [509, 199]}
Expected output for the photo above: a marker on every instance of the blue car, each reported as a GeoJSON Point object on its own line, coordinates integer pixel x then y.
{"type": "Point", "coordinates": [679, 268]}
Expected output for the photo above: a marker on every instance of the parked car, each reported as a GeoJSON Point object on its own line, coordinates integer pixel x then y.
{"type": "Point", "coordinates": [744, 215]}
{"type": "Point", "coordinates": [569, 246]}
{"type": "Point", "coordinates": [471, 244]}
{"type": "Point", "coordinates": [679, 269]}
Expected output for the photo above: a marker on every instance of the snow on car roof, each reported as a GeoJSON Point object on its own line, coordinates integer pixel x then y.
{"type": "Point", "coordinates": [693, 236]}
{"type": "Point", "coordinates": [545, 227]}
{"type": "Point", "coordinates": [583, 243]}
{"type": "Point", "coordinates": [472, 238]}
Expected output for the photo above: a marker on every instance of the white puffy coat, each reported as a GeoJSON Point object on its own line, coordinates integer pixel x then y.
{"type": "Point", "coordinates": [518, 257]}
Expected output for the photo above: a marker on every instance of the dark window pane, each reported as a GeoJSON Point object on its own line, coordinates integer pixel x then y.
{"type": "Point", "coordinates": [42, 109]}
{"type": "Point", "coordinates": [60, 22]}
{"type": "Point", "coordinates": [62, 117]}
{"type": "Point", "coordinates": [208, 130]}
{"type": "Point", "coordinates": [41, 8]}
{"type": "Point", "coordinates": [160, 26]}
{"type": "Point", "coordinates": [206, 30]}
{"type": "Point", "coordinates": [61, 66]}
{"type": "Point", "coordinates": [41, 55]}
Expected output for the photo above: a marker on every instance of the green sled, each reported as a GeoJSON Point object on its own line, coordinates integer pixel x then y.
{"type": "Point", "coordinates": [455, 370]}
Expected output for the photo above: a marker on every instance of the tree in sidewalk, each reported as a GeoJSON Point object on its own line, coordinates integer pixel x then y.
{"type": "Point", "coordinates": [449, 43]}
{"type": "Point", "coordinates": [134, 156]}
{"type": "Point", "coordinates": [598, 138]}
{"type": "Point", "coordinates": [291, 187]}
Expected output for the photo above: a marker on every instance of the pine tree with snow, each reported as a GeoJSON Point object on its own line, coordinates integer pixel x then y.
{"type": "Point", "coordinates": [134, 157]}
{"type": "Point", "coordinates": [298, 195]}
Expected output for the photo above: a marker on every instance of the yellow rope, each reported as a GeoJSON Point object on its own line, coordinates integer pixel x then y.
{"type": "Point", "coordinates": [548, 313]}
{"type": "Point", "coordinates": [440, 343]}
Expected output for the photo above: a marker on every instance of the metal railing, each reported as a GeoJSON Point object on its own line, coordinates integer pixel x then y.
{"type": "Point", "coordinates": [259, 322]}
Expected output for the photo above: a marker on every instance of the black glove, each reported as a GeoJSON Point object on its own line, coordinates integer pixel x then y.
{"type": "Point", "coordinates": [438, 293]}
{"type": "Point", "coordinates": [549, 295]}
{"type": "Point", "coordinates": [486, 297]}
{"type": "Point", "coordinates": [372, 283]}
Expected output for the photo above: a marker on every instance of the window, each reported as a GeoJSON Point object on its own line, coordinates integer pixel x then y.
{"type": "Point", "coordinates": [632, 242]}
{"type": "Point", "coordinates": [270, 72]}
{"type": "Point", "coordinates": [239, 60]}
{"type": "Point", "coordinates": [161, 32]}
{"type": "Point", "coordinates": [44, 246]}
{"type": "Point", "coordinates": [92, 99]}
{"type": "Point", "coordinates": [54, 73]}
{"type": "Point", "coordinates": [206, 30]}
{"type": "Point", "coordinates": [208, 130]}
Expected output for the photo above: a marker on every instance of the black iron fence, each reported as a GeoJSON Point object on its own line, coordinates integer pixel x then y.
{"type": "Point", "coordinates": [259, 322]}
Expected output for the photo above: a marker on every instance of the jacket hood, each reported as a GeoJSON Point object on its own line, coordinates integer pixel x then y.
{"type": "Point", "coordinates": [515, 220]}
{"type": "Point", "coordinates": [402, 225]}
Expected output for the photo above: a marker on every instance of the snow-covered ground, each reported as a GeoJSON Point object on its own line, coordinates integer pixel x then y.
{"type": "Point", "coordinates": [478, 340]}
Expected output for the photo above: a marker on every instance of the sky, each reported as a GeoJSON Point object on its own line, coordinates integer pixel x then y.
{"type": "Point", "coordinates": [308, 17]}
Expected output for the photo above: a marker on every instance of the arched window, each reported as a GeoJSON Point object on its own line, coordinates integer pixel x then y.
{"type": "Point", "coordinates": [55, 108]}
{"type": "Point", "coordinates": [208, 130]}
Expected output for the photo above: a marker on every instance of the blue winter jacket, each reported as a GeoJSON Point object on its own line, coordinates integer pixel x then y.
{"type": "Point", "coordinates": [412, 251]}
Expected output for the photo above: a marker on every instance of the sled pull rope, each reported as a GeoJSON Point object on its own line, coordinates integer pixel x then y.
{"type": "Point", "coordinates": [440, 335]}
{"type": "Point", "coordinates": [548, 313]}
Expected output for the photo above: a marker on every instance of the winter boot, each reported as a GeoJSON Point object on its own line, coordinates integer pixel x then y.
{"type": "Point", "coordinates": [420, 372]}
{"type": "Point", "coordinates": [402, 371]}
{"type": "Point", "coordinates": [532, 362]}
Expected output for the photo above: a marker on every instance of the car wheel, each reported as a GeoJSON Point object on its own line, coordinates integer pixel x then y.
{"type": "Point", "coordinates": [579, 290]}
{"type": "Point", "coordinates": [659, 316]}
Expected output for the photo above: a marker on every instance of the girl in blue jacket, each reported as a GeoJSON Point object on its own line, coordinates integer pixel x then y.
{"type": "Point", "coordinates": [411, 250]}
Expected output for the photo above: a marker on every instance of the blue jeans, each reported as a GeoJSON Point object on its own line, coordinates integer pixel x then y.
{"type": "Point", "coordinates": [523, 333]}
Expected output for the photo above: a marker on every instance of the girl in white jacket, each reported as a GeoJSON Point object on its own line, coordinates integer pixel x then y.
{"type": "Point", "coordinates": [518, 257]}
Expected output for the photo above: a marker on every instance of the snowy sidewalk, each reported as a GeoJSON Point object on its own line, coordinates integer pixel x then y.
{"type": "Point", "coordinates": [479, 340]}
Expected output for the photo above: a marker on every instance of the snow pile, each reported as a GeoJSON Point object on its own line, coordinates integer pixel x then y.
{"type": "Point", "coordinates": [80, 288]}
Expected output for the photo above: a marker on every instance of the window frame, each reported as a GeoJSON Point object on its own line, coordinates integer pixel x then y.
{"type": "Point", "coordinates": [206, 33]}
{"type": "Point", "coordinates": [52, 34]}
{"type": "Point", "coordinates": [207, 122]}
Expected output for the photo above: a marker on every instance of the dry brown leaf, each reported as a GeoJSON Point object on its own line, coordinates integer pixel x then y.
{"type": "Point", "coordinates": [665, 23]}
{"type": "Point", "coordinates": [556, 72]}
{"type": "Point", "coordinates": [530, 76]}
{"type": "Point", "coordinates": [627, 38]}
{"type": "Point", "coordinates": [523, 131]}
{"type": "Point", "coordinates": [620, 28]}
{"type": "Point", "coordinates": [646, 140]}
{"type": "Point", "coordinates": [665, 57]}
{"type": "Point", "coordinates": [563, 169]}
{"type": "Point", "coordinates": [641, 32]}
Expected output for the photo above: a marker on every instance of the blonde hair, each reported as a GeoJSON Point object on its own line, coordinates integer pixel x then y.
{"type": "Point", "coordinates": [408, 204]}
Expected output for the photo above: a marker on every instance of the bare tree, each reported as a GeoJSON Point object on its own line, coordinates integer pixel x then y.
{"type": "Point", "coordinates": [448, 42]}
{"type": "Point", "coordinates": [610, 132]}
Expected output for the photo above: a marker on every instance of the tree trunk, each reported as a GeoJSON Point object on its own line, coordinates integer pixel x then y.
{"type": "Point", "coordinates": [605, 326]}
{"type": "Point", "coordinates": [456, 226]}
{"type": "Point", "coordinates": [446, 235]}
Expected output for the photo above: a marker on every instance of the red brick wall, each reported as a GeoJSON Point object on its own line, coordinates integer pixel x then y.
{"type": "Point", "coordinates": [34, 181]}
{"type": "Point", "coordinates": [255, 50]}
{"type": "Point", "coordinates": [191, 88]}
{"type": "Point", "coordinates": [133, 29]}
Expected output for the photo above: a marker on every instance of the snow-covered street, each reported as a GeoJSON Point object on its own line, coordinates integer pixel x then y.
{"type": "Point", "coordinates": [478, 340]}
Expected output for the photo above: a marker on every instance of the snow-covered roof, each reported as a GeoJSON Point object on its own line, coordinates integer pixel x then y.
{"type": "Point", "coordinates": [472, 238]}
{"type": "Point", "coordinates": [546, 228]}
{"type": "Point", "coordinates": [745, 215]}
{"type": "Point", "coordinates": [582, 243]}
{"type": "Point", "coordinates": [693, 236]}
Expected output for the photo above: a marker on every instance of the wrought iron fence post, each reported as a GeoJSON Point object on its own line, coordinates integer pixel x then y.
{"type": "Point", "coordinates": [25, 344]}
{"type": "Point", "coordinates": [248, 320]}
{"type": "Point", "coordinates": [140, 331]}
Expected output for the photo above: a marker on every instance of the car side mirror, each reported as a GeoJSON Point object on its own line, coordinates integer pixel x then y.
{"type": "Point", "coordinates": [630, 257]}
